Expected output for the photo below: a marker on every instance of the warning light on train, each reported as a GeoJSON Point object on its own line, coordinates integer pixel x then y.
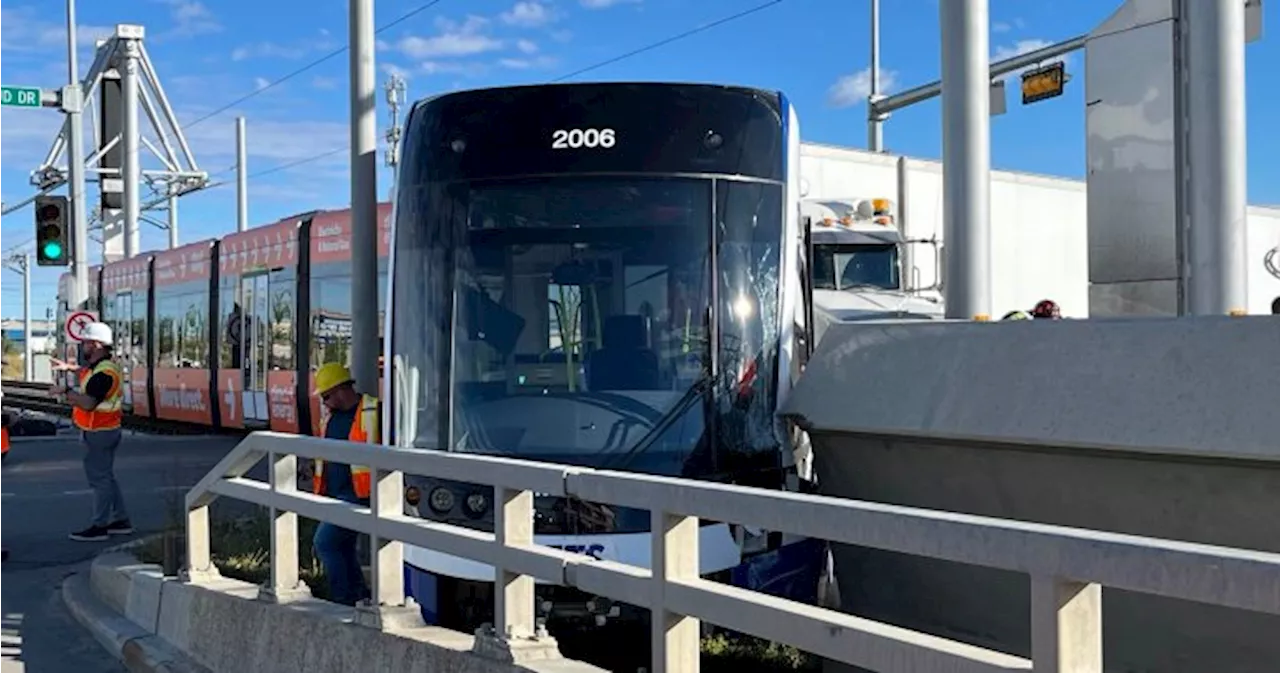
{"type": "Point", "coordinates": [1041, 83]}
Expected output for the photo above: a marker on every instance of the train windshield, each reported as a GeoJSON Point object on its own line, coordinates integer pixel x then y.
{"type": "Point", "coordinates": [855, 266]}
{"type": "Point", "coordinates": [579, 324]}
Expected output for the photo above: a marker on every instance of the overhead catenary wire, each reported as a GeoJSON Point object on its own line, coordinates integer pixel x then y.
{"type": "Point", "coordinates": [336, 52]}
{"type": "Point", "coordinates": [595, 66]}
{"type": "Point", "coordinates": [674, 38]}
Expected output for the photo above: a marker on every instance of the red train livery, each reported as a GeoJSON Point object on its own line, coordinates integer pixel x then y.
{"type": "Point", "coordinates": [228, 333]}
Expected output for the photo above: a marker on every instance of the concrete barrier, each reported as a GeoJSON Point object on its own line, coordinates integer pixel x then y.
{"type": "Point", "coordinates": [1156, 427]}
{"type": "Point", "coordinates": [1204, 387]}
{"type": "Point", "coordinates": [154, 623]}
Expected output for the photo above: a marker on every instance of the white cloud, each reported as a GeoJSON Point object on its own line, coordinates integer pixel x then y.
{"type": "Point", "coordinates": [191, 17]}
{"type": "Point", "coordinates": [27, 137]}
{"type": "Point", "coordinates": [1023, 47]}
{"type": "Point", "coordinates": [527, 63]}
{"type": "Point", "coordinates": [395, 70]}
{"type": "Point", "coordinates": [850, 90]}
{"type": "Point", "coordinates": [324, 83]}
{"type": "Point", "coordinates": [25, 29]}
{"type": "Point", "coordinates": [527, 13]}
{"type": "Point", "coordinates": [267, 50]}
{"type": "Point", "coordinates": [452, 68]}
{"type": "Point", "coordinates": [261, 83]}
{"type": "Point", "coordinates": [527, 46]}
{"type": "Point", "coordinates": [1001, 27]}
{"type": "Point", "coordinates": [270, 141]}
{"type": "Point", "coordinates": [454, 39]}
{"type": "Point", "coordinates": [601, 4]}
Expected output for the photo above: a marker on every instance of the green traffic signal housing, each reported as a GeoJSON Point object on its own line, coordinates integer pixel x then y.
{"type": "Point", "coordinates": [52, 231]}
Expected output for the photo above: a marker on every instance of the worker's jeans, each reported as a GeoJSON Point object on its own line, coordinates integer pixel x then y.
{"type": "Point", "coordinates": [336, 549]}
{"type": "Point", "coordinates": [99, 469]}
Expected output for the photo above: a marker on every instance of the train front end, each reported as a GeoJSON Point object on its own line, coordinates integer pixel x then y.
{"type": "Point", "coordinates": [601, 275]}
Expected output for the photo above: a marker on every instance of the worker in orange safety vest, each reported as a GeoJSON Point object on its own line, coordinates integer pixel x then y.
{"type": "Point", "coordinates": [97, 409]}
{"type": "Point", "coordinates": [356, 418]}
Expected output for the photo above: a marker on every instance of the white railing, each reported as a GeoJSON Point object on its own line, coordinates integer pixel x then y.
{"type": "Point", "coordinates": [1067, 566]}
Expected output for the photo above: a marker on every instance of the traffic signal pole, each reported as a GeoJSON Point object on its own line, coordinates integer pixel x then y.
{"type": "Point", "coordinates": [73, 104]}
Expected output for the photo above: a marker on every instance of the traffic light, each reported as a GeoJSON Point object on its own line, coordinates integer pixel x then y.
{"type": "Point", "coordinates": [53, 231]}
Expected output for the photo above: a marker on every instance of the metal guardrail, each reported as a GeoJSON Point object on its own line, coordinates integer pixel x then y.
{"type": "Point", "coordinates": [1067, 566]}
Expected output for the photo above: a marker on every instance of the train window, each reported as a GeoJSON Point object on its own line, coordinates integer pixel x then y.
{"type": "Point", "coordinates": [182, 330]}
{"type": "Point", "coordinates": [283, 304]}
{"type": "Point", "coordinates": [750, 228]}
{"type": "Point", "coordinates": [126, 313]}
{"type": "Point", "coordinates": [229, 323]}
{"type": "Point", "coordinates": [330, 318]}
{"type": "Point", "coordinates": [331, 311]}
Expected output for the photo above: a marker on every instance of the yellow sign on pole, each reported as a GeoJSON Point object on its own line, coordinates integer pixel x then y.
{"type": "Point", "coordinates": [1041, 83]}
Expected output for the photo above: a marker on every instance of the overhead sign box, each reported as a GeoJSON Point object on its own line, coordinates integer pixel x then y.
{"type": "Point", "coordinates": [1041, 83]}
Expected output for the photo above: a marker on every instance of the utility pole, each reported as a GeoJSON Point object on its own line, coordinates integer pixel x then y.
{"type": "Point", "coordinates": [131, 166]}
{"type": "Point", "coordinates": [1217, 250]}
{"type": "Point", "coordinates": [388, 487]}
{"type": "Point", "coordinates": [242, 177]}
{"type": "Point", "coordinates": [73, 104]}
{"type": "Point", "coordinates": [875, 118]}
{"type": "Point", "coordinates": [173, 221]}
{"type": "Point", "coordinates": [966, 158]}
{"type": "Point", "coordinates": [364, 198]}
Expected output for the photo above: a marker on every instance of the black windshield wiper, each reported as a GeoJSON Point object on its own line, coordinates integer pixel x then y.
{"type": "Point", "coordinates": [677, 411]}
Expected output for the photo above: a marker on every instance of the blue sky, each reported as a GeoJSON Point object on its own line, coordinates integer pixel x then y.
{"type": "Point", "coordinates": [209, 54]}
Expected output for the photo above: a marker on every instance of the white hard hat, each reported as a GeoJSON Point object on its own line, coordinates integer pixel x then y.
{"type": "Point", "coordinates": [97, 331]}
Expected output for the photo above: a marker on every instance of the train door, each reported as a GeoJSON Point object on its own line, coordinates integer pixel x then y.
{"type": "Point", "coordinates": [124, 343]}
{"type": "Point", "coordinates": [255, 344]}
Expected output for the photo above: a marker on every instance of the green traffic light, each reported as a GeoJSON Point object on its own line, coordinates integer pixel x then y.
{"type": "Point", "coordinates": [52, 250]}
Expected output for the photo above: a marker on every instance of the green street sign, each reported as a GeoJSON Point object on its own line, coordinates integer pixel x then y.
{"type": "Point", "coordinates": [20, 96]}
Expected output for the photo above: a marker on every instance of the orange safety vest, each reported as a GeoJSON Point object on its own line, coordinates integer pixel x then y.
{"type": "Point", "coordinates": [364, 429]}
{"type": "Point", "coordinates": [109, 412]}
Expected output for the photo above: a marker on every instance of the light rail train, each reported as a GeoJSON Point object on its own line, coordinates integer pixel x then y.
{"type": "Point", "coordinates": [604, 275]}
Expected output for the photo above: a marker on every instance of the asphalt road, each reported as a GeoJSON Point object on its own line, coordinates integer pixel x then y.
{"type": "Point", "coordinates": [45, 497]}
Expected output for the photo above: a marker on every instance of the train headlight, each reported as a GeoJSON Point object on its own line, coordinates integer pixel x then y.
{"type": "Point", "coordinates": [441, 500]}
{"type": "Point", "coordinates": [476, 504]}
{"type": "Point", "coordinates": [412, 495]}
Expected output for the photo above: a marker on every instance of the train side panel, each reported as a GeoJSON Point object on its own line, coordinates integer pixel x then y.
{"type": "Point", "coordinates": [330, 294]}
{"type": "Point", "coordinates": [257, 285]}
{"type": "Point", "coordinates": [181, 333]}
{"type": "Point", "coordinates": [125, 306]}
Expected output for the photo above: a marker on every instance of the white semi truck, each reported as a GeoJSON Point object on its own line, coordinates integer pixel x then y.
{"type": "Point", "coordinates": [1040, 239]}
{"type": "Point", "coordinates": [856, 264]}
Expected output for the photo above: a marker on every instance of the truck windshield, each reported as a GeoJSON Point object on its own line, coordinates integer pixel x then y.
{"type": "Point", "coordinates": [576, 317]}
{"type": "Point", "coordinates": [855, 266]}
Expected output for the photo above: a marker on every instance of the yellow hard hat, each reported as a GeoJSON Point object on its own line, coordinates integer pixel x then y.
{"type": "Point", "coordinates": [330, 376]}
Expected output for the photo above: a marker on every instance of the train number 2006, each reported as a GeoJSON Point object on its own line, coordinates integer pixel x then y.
{"type": "Point", "coordinates": [575, 138]}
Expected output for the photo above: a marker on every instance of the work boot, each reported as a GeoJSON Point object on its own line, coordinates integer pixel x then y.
{"type": "Point", "coordinates": [91, 534]}
{"type": "Point", "coordinates": [121, 527]}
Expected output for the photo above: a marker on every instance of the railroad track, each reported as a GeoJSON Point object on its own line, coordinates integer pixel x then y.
{"type": "Point", "coordinates": [29, 396]}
